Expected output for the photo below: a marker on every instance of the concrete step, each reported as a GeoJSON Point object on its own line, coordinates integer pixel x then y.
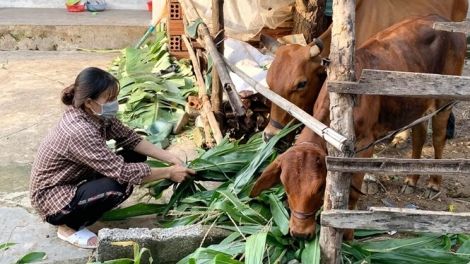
{"type": "Point", "coordinates": [110, 4]}
{"type": "Point", "coordinates": [56, 29]}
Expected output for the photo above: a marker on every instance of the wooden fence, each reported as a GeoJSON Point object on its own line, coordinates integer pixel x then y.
{"type": "Point", "coordinates": [341, 165]}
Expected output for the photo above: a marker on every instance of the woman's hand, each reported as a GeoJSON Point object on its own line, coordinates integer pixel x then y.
{"type": "Point", "coordinates": [176, 161]}
{"type": "Point", "coordinates": [179, 173]}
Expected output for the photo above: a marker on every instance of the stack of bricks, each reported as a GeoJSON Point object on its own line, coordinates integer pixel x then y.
{"type": "Point", "coordinates": [175, 28]}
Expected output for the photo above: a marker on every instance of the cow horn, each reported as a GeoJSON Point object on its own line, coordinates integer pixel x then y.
{"type": "Point", "coordinates": [316, 48]}
{"type": "Point", "coordinates": [269, 42]}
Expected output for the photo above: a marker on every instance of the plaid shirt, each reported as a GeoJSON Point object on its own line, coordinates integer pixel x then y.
{"type": "Point", "coordinates": [75, 151]}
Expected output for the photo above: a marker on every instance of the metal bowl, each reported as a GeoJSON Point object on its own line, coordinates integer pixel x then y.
{"type": "Point", "coordinates": [95, 7]}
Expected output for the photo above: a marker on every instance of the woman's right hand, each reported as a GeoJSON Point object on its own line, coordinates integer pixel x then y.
{"type": "Point", "coordinates": [179, 173]}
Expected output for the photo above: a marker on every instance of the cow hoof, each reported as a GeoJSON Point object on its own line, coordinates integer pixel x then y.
{"type": "Point", "coordinates": [408, 189]}
{"type": "Point", "coordinates": [369, 185]}
{"type": "Point", "coordinates": [431, 193]}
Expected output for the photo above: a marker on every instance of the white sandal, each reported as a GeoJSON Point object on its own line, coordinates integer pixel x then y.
{"type": "Point", "coordinates": [79, 238]}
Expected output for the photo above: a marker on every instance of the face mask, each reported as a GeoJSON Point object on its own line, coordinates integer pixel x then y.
{"type": "Point", "coordinates": [108, 110]}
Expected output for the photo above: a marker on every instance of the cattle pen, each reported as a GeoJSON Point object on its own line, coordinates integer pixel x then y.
{"type": "Point", "coordinates": [335, 216]}
{"type": "Point", "coordinates": [342, 87]}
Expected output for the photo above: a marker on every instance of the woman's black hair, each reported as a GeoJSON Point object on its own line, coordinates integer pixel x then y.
{"type": "Point", "coordinates": [90, 83]}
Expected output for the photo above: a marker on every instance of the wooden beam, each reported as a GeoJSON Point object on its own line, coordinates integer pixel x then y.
{"type": "Point", "coordinates": [217, 91]}
{"type": "Point", "coordinates": [204, 34]}
{"type": "Point", "coordinates": [463, 27]}
{"type": "Point", "coordinates": [384, 218]}
{"type": "Point", "coordinates": [399, 166]}
{"type": "Point", "coordinates": [406, 84]}
{"type": "Point", "coordinates": [331, 136]}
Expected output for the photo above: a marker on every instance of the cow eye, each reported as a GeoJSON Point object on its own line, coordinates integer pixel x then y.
{"type": "Point", "coordinates": [301, 84]}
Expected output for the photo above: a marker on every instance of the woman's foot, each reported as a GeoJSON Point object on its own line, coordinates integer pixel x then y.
{"type": "Point", "coordinates": [76, 237]}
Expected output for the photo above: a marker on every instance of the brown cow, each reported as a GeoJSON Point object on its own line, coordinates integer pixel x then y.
{"type": "Point", "coordinates": [411, 45]}
{"type": "Point", "coordinates": [291, 76]}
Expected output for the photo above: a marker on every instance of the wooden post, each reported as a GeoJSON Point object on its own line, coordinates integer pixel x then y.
{"type": "Point", "coordinates": [207, 113]}
{"type": "Point", "coordinates": [341, 113]}
{"type": "Point", "coordinates": [217, 93]}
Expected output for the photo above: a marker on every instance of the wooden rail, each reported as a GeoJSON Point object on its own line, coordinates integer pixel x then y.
{"type": "Point", "coordinates": [462, 27]}
{"type": "Point", "coordinates": [406, 84]}
{"type": "Point", "coordinates": [384, 218]}
{"type": "Point", "coordinates": [399, 166]}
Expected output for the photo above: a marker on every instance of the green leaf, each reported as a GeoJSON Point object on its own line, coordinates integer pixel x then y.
{"type": "Point", "coordinates": [7, 245]}
{"type": "Point", "coordinates": [280, 215]}
{"type": "Point", "coordinates": [202, 255]}
{"type": "Point", "coordinates": [224, 259]}
{"type": "Point", "coordinates": [464, 248]}
{"type": "Point", "coordinates": [266, 150]}
{"type": "Point", "coordinates": [254, 249]}
{"type": "Point", "coordinates": [32, 257]}
{"type": "Point", "coordinates": [132, 211]}
{"type": "Point", "coordinates": [311, 252]}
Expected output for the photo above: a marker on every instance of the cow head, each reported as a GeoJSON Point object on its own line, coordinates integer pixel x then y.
{"type": "Point", "coordinates": [302, 172]}
{"type": "Point", "coordinates": [297, 74]}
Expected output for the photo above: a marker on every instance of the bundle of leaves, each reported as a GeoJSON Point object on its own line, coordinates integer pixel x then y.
{"type": "Point", "coordinates": [154, 85]}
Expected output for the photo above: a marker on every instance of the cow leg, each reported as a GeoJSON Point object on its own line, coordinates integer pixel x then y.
{"type": "Point", "coordinates": [418, 138]}
{"type": "Point", "coordinates": [354, 193]}
{"type": "Point", "coordinates": [439, 127]}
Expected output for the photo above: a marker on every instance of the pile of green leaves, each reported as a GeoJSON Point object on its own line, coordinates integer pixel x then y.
{"type": "Point", "coordinates": [261, 225]}
{"type": "Point", "coordinates": [153, 85]}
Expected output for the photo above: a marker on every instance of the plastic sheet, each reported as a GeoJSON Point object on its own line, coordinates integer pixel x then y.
{"type": "Point", "coordinates": [243, 19]}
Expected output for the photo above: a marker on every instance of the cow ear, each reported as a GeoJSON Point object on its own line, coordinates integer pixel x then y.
{"type": "Point", "coordinates": [270, 177]}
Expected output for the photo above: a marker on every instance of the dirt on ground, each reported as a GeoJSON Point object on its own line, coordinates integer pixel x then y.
{"type": "Point", "coordinates": [455, 190]}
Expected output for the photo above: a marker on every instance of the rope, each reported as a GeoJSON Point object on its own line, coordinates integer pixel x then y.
{"type": "Point", "coordinates": [422, 119]}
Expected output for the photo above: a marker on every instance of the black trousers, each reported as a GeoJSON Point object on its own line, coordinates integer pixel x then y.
{"type": "Point", "coordinates": [94, 198]}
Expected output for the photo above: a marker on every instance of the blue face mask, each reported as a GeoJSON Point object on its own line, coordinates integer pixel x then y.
{"type": "Point", "coordinates": [108, 110]}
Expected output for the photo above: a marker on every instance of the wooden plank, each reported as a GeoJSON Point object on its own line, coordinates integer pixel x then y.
{"type": "Point", "coordinates": [399, 166]}
{"type": "Point", "coordinates": [406, 84]}
{"type": "Point", "coordinates": [463, 27]}
{"type": "Point", "coordinates": [384, 218]}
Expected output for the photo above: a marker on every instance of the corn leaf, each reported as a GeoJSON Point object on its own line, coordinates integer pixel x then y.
{"type": "Point", "coordinates": [280, 215]}
{"type": "Point", "coordinates": [31, 257]}
{"type": "Point", "coordinates": [464, 248]}
{"type": "Point", "coordinates": [224, 259]}
{"type": "Point", "coordinates": [311, 252]}
{"type": "Point", "coordinates": [254, 249]}
{"type": "Point", "coordinates": [132, 211]}
{"type": "Point", "coordinates": [265, 150]}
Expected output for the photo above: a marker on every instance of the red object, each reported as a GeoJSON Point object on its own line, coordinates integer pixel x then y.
{"type": "Point", "coordinates": [75, 8]}
{"type": "Point", "coordinates": [149, 5]}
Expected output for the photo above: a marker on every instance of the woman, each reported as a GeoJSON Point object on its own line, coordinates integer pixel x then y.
{"type": "Point", "coordinates": [76, 178]}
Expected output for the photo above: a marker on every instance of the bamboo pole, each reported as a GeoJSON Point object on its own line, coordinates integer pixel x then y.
{"type": "Point", "coordinates": [203, 32]}
{"type": "Point", "coordinates": [217, 93]}
{"type": "Point", "coordinates": [341, 113]}
{"type": "Point", "coordinates": [206, 111]}
{"type": "Point", "coordinates": [335, 139]}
